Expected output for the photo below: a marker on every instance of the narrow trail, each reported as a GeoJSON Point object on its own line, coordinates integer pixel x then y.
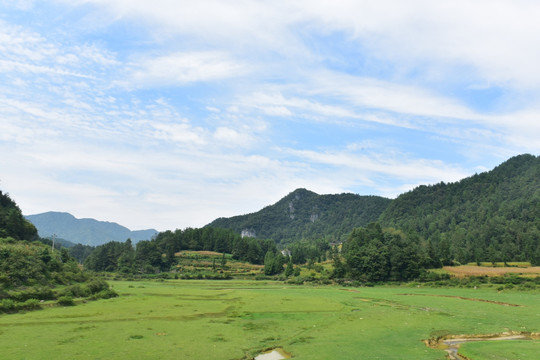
{"type": "Point", "coordinates": [466, 298]}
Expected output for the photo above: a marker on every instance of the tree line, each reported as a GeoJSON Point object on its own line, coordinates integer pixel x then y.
{"type": "Point", "coordinates": [158, 254]}
{"type": "Point", "coordinates": [374, 254]}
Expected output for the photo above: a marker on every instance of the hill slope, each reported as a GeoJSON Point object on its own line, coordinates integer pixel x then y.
{"type": "Point", "coordinates": [31, 271]}
{"type": "Point", "coordinates": [305, 214]}
{"type": "Point", "coordinates": [84, 231]}
{"type": "Point", "coordinates": [12, 222]}
{"type": "Point", "coordinates": [494, 215]}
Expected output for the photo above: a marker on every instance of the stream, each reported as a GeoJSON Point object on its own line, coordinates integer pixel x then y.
{"type": "Point", "coordinates": [451, 344]}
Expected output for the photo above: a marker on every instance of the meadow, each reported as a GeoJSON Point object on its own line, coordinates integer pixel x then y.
{"type": "Point", "coordinates": [237, 319]}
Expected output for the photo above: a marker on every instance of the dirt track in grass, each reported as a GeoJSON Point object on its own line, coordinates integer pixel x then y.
{"type": "Point", "coordinates": [466, 298]}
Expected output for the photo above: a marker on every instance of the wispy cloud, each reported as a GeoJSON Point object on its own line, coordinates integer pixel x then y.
{"type": "Point", "coordinates": [168, 114]}
{"type": "Point", "coordinates": [182, 68]}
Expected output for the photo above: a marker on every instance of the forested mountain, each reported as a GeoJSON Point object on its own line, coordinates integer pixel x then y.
{"type": "Point", "coordinates": [493, 216]}
{"type": "Point", "coordinates": [304, 214]}
{"type": "Point", "coordinates": [85, 231]}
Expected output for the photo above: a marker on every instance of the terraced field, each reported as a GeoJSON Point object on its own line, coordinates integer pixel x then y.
{"type": "Point", "coordinates": [192, 319]}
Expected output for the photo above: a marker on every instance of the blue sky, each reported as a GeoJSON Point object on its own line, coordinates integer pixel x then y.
{"type": "Point", "coordinates": [169, 114]}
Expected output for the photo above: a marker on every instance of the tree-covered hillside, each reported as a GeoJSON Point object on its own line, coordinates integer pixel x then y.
{"type": "Point", "coordinates": [30, 270]}
{"type": "Point", "coordinates": [492, 216]}
{"type": "Point", "coordinates": [12, 222]}
{"type": "Point", "coordinates": [304, 214]}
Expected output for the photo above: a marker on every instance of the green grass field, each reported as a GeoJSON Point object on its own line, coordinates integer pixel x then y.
{"type": "Point", "coordinates": [192, 319]}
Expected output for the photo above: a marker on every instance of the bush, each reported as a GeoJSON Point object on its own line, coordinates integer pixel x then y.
{"type": "Point", "coordinates": [104, 294]}
{"type": "Point", "coordinates": [30, 304]}
{"type": "Point", "coordinates": [527, 286]}
{"type": "Point", "coordinates": [7, 305]}
{"type": "Point", "coordinates": [66, 301]}
{"type": "Point", "coordinates": [514, 280]}
{"type": "Point", "coordinates": [40, 293]}
{"type": "Point", "coordinates": [97, 285]}
{"type": "Point", "coordinates": [75, 291]}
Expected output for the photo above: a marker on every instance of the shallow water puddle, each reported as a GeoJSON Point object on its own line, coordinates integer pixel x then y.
{"type": "Point", "coordinates": [275, 354]}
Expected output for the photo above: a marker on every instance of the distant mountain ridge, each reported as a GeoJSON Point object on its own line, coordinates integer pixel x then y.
{"type": "Point", "coordinates": [305, 214]}
{"type": "Point", "coordinates": [84, 231]}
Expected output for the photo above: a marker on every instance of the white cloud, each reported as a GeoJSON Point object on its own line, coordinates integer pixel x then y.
{"type": "Point", "coordinates": [185, 67]}
{"type": "Point", "coordinates": [229, 135]}
{"type": "Point", "coordinates": [384, 165]}
{"type": "Point", "coordinates": [495, 38]}
{"type": "Point", "coordinates": [180, 133]}
{"type": "Point", "coordinates": [192, 132]}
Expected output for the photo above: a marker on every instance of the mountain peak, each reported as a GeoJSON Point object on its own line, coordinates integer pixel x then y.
{"type": "Point", "coordinates": [85, 231]}
{"type": "Point", "coordinates": [305, 214]}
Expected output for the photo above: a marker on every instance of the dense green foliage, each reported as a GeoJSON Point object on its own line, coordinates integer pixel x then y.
{"type": "Point", "coordinates": [375, 255]}
{"type": "Point", "coordinates": [24, 263]}
{"type": "Point", "coordinates": [306, 215]}
{"type": "Point", "coordinates": [492, 216]}
{"type": "Point", "coordinates": [12, 222]}
{"type": "Point", "coordinates": [31, 271]}
{"type": "Point", "coordinates": [80, 252]}
{"type": "Point", "coordinates": [159, 254]}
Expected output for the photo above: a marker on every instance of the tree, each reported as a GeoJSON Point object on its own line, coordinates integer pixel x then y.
{"type": "Point", "coordinates": [339, 270]}
{"type": "Point", "coordinates": [269, 263]}
{"type": "Point", "coordinates": [223, 261]}
{"type": "Point", "coordinates": [289, 270]}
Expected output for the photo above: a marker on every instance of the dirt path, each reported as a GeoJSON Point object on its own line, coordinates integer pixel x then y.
{"type": "Point", "coordinates": [466, 298]}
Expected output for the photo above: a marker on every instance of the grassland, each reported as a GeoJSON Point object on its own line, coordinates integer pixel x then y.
{"type": "Point", "coordinates": [473, 270]}
{"type": "Point", "coordinates": [193, 319]}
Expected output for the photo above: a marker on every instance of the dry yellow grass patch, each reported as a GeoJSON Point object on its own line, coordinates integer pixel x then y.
{"type": "Point", "coordinates": [469, 270]}
{"type": "Point", "coordinates": [207, 253]}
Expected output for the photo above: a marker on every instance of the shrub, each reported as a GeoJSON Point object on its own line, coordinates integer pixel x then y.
{"type": "Point", "coordinates": [97, 285]}
{"type": "Point", "coordinates": [529, 285]}
{"type": "Point", "coordinates": [75, 291]}
{"type": "Point", "coordinates": [7, 305]}
{"type": "Point", "coordinates": [104, 294]}
{"type": "Point", "coordinates": [30, 304]}
{"type": "Point", "coordinates": [514, 280]}
{"type": "Point", "coordinates": [66, 301]}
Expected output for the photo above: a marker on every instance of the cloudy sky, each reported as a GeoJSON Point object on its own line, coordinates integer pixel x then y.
{"type": "Point", "coordinates": [170, 113]}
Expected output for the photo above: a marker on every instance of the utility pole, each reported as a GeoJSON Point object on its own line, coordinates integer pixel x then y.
{"type": "Point", "coordinates": [53, 238]}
